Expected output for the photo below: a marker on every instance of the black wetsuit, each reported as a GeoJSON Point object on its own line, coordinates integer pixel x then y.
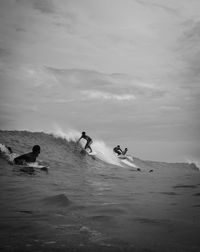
{"type": "Point", "coordinates": [28, 158]}
{"type": "Point", "coordinates": [117, 150]}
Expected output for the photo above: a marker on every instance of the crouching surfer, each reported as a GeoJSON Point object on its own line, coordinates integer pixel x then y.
{"type": "Point", "coordinates": [88, 139]}
{"type": "Point", "coordinates": [118, 150]}
{"type": "Point", "coordinates": [28, 157]}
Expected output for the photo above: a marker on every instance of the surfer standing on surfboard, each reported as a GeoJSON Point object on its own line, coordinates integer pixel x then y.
{"type": "Point", "coordinates": [88, 139]}
{"type": "Point", "coordinates": [29, 157]}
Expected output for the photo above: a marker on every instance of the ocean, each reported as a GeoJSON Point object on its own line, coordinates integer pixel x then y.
{"type": "Point", "coordinates": [86, 203]}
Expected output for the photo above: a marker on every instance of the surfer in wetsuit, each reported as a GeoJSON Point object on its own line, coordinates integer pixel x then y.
{"type": "Point", "coordinates": [117, 150]}
{"type": "Point", "coordinates": [88, 139]}
{"type": "Point", "coordinates": [29, 157]}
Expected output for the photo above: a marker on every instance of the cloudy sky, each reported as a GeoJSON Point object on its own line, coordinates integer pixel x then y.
{"type": "Point", "coordinates": [125, 71]}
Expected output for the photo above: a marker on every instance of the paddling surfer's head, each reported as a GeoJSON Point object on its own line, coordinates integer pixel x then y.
{"type": "Point", "coordinates": [36, 149]}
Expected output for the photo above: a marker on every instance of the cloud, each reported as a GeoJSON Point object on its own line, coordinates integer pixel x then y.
{"type": "Point", "coordinates": [121, 82]}
{"type": "Point", "coordinates": [170, 108]}
{"type": "Point", "coordinates": [40, 76]}
{"type": "Point", "coordinates": [32, 75]}
{"type": "Point", "coordinates": [58, 100]}
{"type": "Point", "coordinates": [188, 53]}
{"type": "Point", "coordinates": [20, 108]}
{"type": "Point", "coordinates": [80, 77]}
{"type": "Point", "coordinates": [44, 6]}
{"type": "Point", "coordinates": [158, 5]}
{"type": "Point", "coordinates": [92, 94]}
{"type": "Point", "coordinates": [4, 52]}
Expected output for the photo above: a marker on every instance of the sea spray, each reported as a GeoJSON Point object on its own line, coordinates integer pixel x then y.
{"type": "Point", "coordinates": [105, 153]}
{"type": "Point", "coordinates": [193, 163]}
{"type": "Point", "coordinates": [70, 135]}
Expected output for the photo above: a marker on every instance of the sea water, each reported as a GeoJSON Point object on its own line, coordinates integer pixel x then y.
{"type": "Point", "coordinates": [87, 204]}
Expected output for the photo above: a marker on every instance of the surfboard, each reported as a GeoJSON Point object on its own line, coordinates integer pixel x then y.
{"type": "Point", "coordinates": [126, 162]}
{"type": "Point", "coordinates": [125, 157]}
{"type": "Point", "coordinates": [36, 165]}
{"type": "Point", "coordinates": [122, 156]}
{"type": "Point", "coordinates": [92, 154]}
{"type": "Point", "coordinates": [32, 167]}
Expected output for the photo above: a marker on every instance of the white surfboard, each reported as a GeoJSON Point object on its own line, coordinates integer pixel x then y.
{"type": "Point", "coordinates": [122, 156]}
{"type": "Point", "coordinates": [93, 153]}
{"type": "Point", "coordinates": [34, 166]}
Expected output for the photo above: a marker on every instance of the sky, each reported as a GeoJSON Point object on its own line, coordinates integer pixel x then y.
{"type": "Point", "coordinates": [125, 71]}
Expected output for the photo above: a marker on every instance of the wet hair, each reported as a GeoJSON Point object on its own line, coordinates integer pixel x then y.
{"type": "Point", "coordinates": [118, 145]}
{"type": "Point", "coordinates": [36, 148]}
{"type": "Point", "coordinates": [83, 133]}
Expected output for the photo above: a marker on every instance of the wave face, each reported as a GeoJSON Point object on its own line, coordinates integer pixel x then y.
{"type": "Point", "coordinates": [95, 204]}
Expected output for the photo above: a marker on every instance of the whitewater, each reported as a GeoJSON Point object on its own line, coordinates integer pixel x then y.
{"type": "Point", "coordinates": [101, 203]}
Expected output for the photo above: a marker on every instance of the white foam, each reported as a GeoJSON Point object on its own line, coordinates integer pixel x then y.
{"type": "Point", "coordinates": [4, 149]}
{"type": "Point", "coordinates": [125, 161]}
{"type": "Point", "coordinates": [9, 156]}
{"type": "Point", "coordinates": [105, 152]}
{"type": "Point", "coordinates": [194, 161]}
{"type": "Point", "coordinates": [70, 135]}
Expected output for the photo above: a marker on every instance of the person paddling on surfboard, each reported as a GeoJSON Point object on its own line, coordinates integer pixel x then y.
{"type": "Point", "coordinates": [29, 157]}
{"type": "Point", "coordinates": [117, 150]}
{"type": "Point", "coordinates": [88, 139]}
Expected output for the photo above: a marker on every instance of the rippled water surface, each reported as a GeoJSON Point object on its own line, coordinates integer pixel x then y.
{"type": "Point", "coordinates": [85, 204]}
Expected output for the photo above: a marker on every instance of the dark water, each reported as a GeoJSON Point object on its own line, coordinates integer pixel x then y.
{"type": "Point", "coordinates": [85, 204]}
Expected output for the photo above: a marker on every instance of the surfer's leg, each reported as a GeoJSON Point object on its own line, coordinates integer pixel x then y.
{"type": "Point", "coordinates": [88, 145]}
{"type": "Point", "coordinates": [90, 148]}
